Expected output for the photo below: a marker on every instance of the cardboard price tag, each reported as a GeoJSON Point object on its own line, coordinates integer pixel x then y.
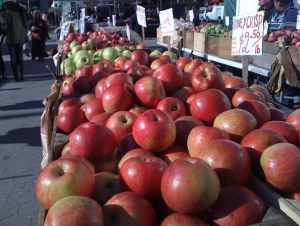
{"type": "Point", "coordinates": [191, 15]}
{"type": "Point", "coordinates": [298, 22]}
{"type": "Point", "coordinates": [166, 22]}
{"type": "Point", "coordinates": [247, 34]}
{"type": "Point", "coordinates": [227, 20]}
{"type": "Point", "coordinates": [141, 16]}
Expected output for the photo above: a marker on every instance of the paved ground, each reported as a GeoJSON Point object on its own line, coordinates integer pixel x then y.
{"type": "Point", "coordinates": [20, 144]}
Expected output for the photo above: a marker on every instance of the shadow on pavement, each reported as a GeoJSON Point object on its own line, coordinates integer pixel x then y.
{"type": "Point", "coordinates": [30, 136]}
{"type": "Point", "coordinates": [6, 178]}
{"type": "Point", "coordinates": [10, 89]}
{"type": "Point", "coordinates": [20, 115]}
{"type": "Point", "coordinates": [24, 105]}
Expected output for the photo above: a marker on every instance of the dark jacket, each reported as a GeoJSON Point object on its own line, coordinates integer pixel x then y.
{"type": "Point", "coordinates": [288, 14]}
{"type": "Point", "coordinates": [134, 23]}
{"type": "Point", "coordinates": [40, 27]}
{"type": "Point", "coordinates": [13, 23]}
{"type": "Point", "coordinates": [268, 11]}
{"type": "Point", "coordinates": [196, 17]}
{"type": "Point", "coordinates": [98, 16]}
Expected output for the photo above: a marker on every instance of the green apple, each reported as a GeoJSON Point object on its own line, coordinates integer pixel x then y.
{"type": "Point", "coordinates": [91, 52]}
{"type": "Point", "coordinates": [110, 53]}
{"type": "Point", "coordinates": [70, 55]}
{"type": "Point", "coordinates": [79, 53]}
{"type": "Point", "coordinates": [75, 49]}
{"type": "Point", "coordinates": [171, 54]}
{"type": "Point", "coordinates": [98, 53]}
{"type": "Point", "coordinates": [126, 53]}
{"type": "Point", "coordinates": [67, 63]}
{"type": "Point", "coordinates": [156, 53]}
{"type": "Point", "coordinates": [120, 49]}
{"type": "Point", "coordinates": [73, 44]}
{"type": "Point", "coordinates": [69, 70]}
{"type": "Point", "coordinates": [84, 60]}
{"type": "Point", "coordinates": [87, 45]}
{"type": "Point", "coordinates": [98, 59]}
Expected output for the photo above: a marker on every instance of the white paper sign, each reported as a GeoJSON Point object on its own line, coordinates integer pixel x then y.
{"type": "Point", "coordinates": [128, 31]}
{"type": "Point", "coordinates": [82, 22]}
{"type": "Point", "coordinates": [67, 7]}
{"type": "Point", "coordinates": [141, 16]}
{"type": "Point", "coordinates": [247, 34]}
{"type": "Point", "coordinates": [298, 22]}
{"type": "Point", "coordinates": [227, 20]}
{"type": "Point", "coordinates": [166, 22]}
{"type": "Point", "coordinates": [191, 15]}
{"type": "Point", "coordinates": [114, 19]}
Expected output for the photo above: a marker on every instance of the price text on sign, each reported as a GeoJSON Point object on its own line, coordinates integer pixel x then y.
{"type": "Point", "coordinates": [247, 34]}
{"type": "Point", "coordinates": [298, 22]}
{"type": "Point", "coordinates": [141, 16]}
{"type": "Point", "coordinates": [166, 22]}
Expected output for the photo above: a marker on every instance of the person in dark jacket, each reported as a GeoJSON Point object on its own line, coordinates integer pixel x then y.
{"type": "Point", "coordinates": [37, 26]}
{"type": "Point", "coordinates": [98, 16]}
{"type": "Point", "coordinates": [284, 11]}
{"type": "Point", "coordinates": [196, 20]}
{"type": "Point", "coordinates": [14, 28]}
{"type": "Point", "coordinates": [267, 6]}
{"type": "Point", "coordinates": [134, 24]}
{"type": "Point", "coordinates": [2, 66]}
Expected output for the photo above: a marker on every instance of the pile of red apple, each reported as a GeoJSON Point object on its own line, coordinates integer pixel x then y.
{"type": "Point", "coordinates": [172, 145]}
{"type": "Point", "coordinates": [288, 36]}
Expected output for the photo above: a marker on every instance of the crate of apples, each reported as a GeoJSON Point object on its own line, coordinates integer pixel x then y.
{"type": "Point", "coordinates": [163, 141]}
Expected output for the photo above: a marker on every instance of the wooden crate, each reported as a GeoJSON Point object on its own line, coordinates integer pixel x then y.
{"type": "Point", "coordinates": [269, 52]}
{"type": "Point", "coordinates": [224, 50]}
{"type": "Point", "coordinates": [188, 40]}
{"type": "Point", "coordinates": [200, 42]}
{"type": "Point", "coordinates": [213, 44]}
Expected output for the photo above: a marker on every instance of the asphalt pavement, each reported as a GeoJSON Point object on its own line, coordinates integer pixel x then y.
{"type": "Point", "coordinates": [20, 143]}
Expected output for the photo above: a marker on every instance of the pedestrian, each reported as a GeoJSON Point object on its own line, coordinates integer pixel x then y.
{"type": "Point", "coordinates": [45, 18]}
{"type": "Point", "coordinates": [39, 34]}
{"type": "Point", "coordinates": [2, 66]}
{"type": "Point", "coordinates": [98, 16]}
{"type": "Point", "coordinates": [196, 21]}
{"type": "Point", "coordinates": [284, 11]}
{"type": "Point", "coordinates": [14, 29]}
{"type": "Point", "coordinates": [134, 25]}
{"type": "Point", "coordinates": [267, 6]}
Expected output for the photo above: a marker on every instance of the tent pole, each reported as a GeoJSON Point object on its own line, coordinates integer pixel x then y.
{"type": "Point", "coordinates": [160, 5]}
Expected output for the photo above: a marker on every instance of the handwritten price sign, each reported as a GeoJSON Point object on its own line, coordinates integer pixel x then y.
{"type": "Point", "coordinates": [166, 22]}
{"type": "Point", "coordinates": [141, 16]}
{"type": "Point", "coordinates": [298, 22]}
{"type": "Point", "coordinates": [247, 34]}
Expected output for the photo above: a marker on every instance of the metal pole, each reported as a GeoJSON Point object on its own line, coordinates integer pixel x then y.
{"type": "Point", "coordinates": [160, 5]}
{"type": "Point", "coordinates": [77, 15]}
{"type": "Point", "coordinates": [115, 8]}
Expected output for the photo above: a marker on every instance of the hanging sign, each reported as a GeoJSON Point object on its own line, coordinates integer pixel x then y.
{"type": "Point", "coordinates": [141, 16]}
{"type": "Point", "coordinates": [128, 31]}
{"type": "Point", "coordinates": [247, 34]}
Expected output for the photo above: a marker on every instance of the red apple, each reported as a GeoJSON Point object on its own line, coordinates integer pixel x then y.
{"type": "Point", "coordinates": [178, 219]}
{"type": "Point", "coordinates": [246, 207]}
{"type": "Point", "coordinates": [229, 92]}
{"type": "Point", "coordinates": [191, 67]}
{"type": "Point", "coordinates": [141, 46]}
{"type": "Point", "coordinates": [236, 122]}
{"type": "Point", "coordinates": [86, 98]}
{"type": "Point", "coordinates": [193, 193]}
{"type": "Point", "coordinates": [82, 85]}
{"type": "Point", "coordinates": [294, 119]}
{"type": "Point", "coordinates": [145, 68]}
{"type": "Point", "coordinates": [82, 210]}
{"type": "Point", "coordinates": [129, 208]}
{"type": "Point", "coordinates": [171, 77]}
{"type": "Point", "coordinates": [184, 93]}
{"type": "Point", "coordinates": [117, 97]}
{"type": "Point", "coordinates": [107, 164]}
{"type": "Point", "coordinates": [277, 115]}
{"type": "Point", "coordinates": [262, 90]}
{"type": "Point", "coordinates": [226, 75]}
{"type": "Point", "coordinates": [187, 79]}
{"type": "Point", "coordinates": [62, 178]}
{"type": "Point", "coordinates": [86, 70]}
{"type": "Point", "coordinates": [149, 91]}
{"type": "Point", "coordinates": [182, 62]}
{"type": "Point", "coordinates": [121, 123]}
{"type": "Point", "coordinates": [247, 94]}
{"type": "Point", "coordinates": [135, 74]}
{"type": "Point", "coordinates": [287, 130]}
{"type": "Point", "coordinates": [257, 141]}
{"type": "Point", "coordinates": [167, 58]}
{"type": "Point", "coordinates": [207, 77]}
{"type": "Point", "coordinates": [130, 64]}
{"type": "Point", "coordinates": [127, 144]}
{"type": "Point", "coordinates": [111, 63]}
{"type": "Point", "coordinates": [69, 102]}
{"type": "Point", "coordinates": [173, 153]}
{"type": "Point", "coordinates": [79, 158]}
{"type": "Point", "coordinates": [259, 110]}
{"type": "Point", "coordinates": [157, 63]}
{"type": "Point", "coordinates": [102, 66]}
{"type": "Point", "coordinates": [138, 110]}
{"type": "Point", "coordinates": [154, 130]}
{"type": "Point", "coordinates": [101, 118]}
{"type": "Point", "coordinates": [120, 62]}
{"type": "Point", "coordinates": [140, 56]}
{"type": "Point", "coordinates": [142, 175]}
{"type": "Point", "coordinates": [93, 107]}
{"type": "Point", "coordinates": [208, 104]}
{"type": "Point", "coordinates": [230, 161]}
{"type": "Point", "coordinates": [106, 186]}
{"type": "Point", "coordinates": [281, 166]}
{"type": "Point", "coordinates": [172, 106]}
{"type": "Point", "coordinates": [270, 105]}
{"type": "Point", "coordinates": [66, 150]}
{"type": "Point", "coordinates": [235, 81]}
{"type": "Point", "coordinates": [70, 118]}
{"type": "Point", "coordinates": [117, 78]}
{"type": "Point", "coordinates": [92, 141]}
{"type": "Point", "coordinates": [99, 88]}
